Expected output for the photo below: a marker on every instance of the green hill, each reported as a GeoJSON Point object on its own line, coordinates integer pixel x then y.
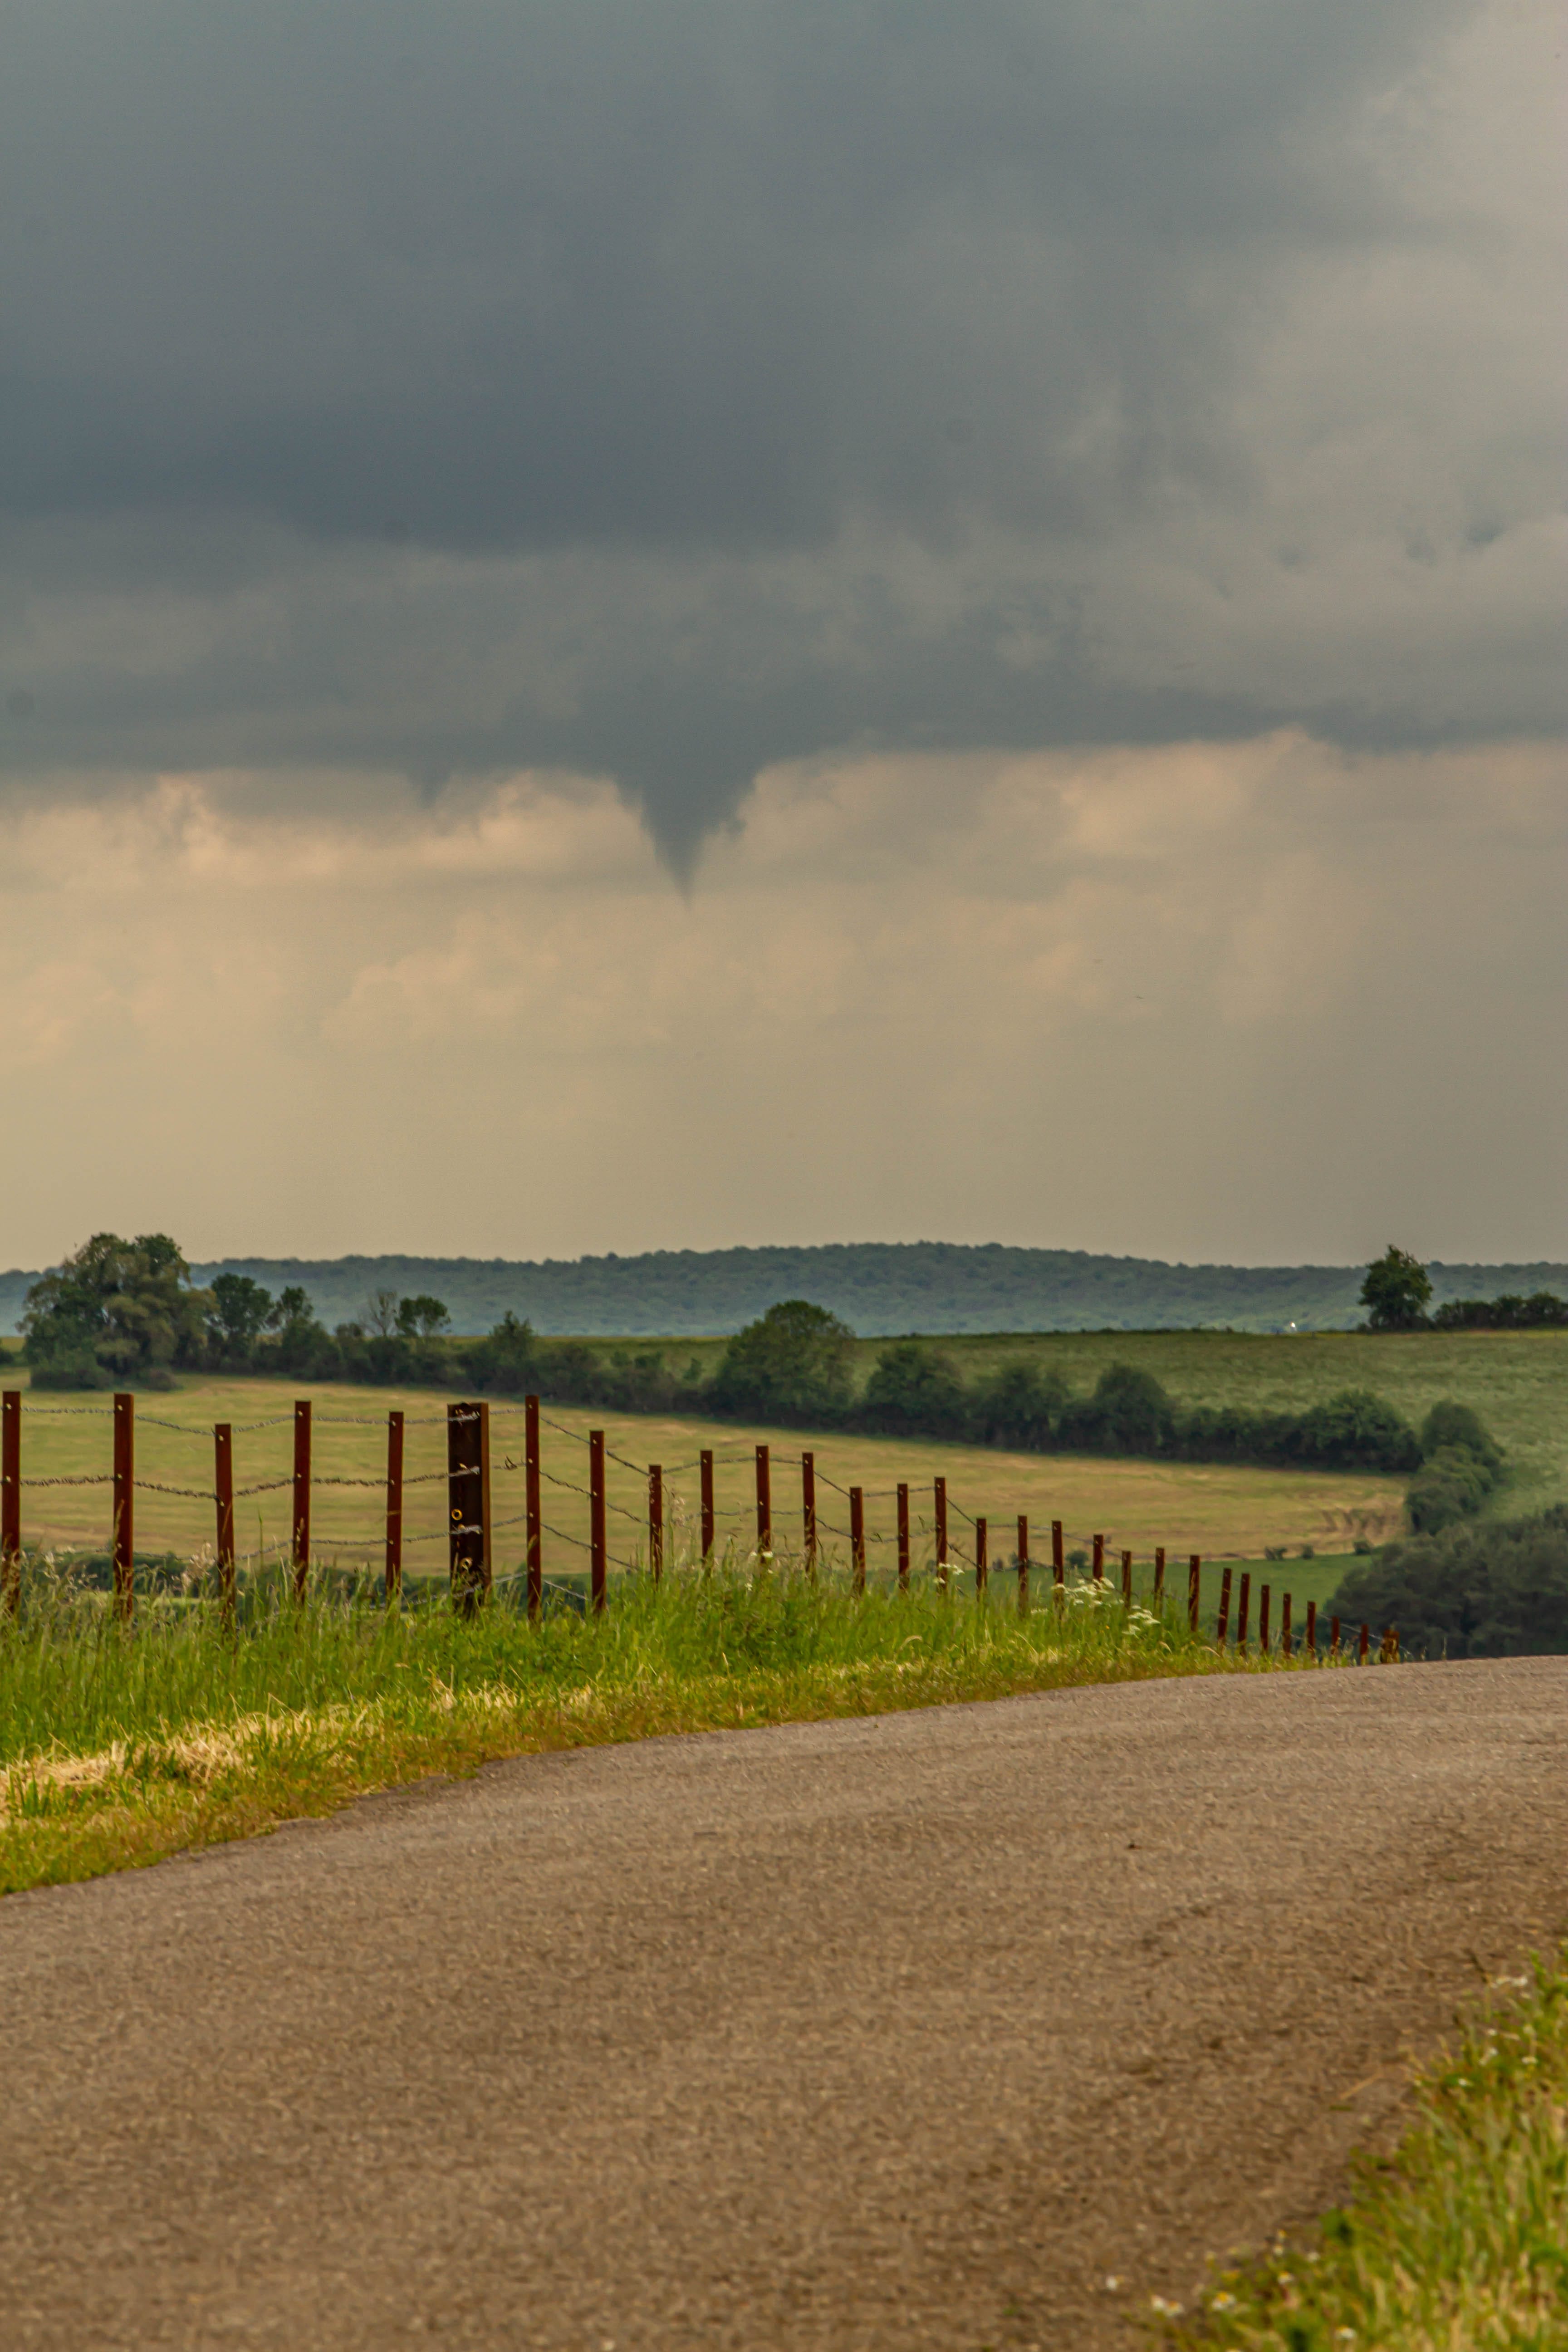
{"type": "Point", "coordinates": [878, 1287]}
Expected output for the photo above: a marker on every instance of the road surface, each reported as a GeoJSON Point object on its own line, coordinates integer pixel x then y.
{"type": "Point", "coordinates": [916, 2031]}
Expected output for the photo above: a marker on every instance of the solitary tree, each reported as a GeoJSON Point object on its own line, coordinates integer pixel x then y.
{"type": "Point", "coordinates": [1395, 1292]}
{"type": "Point", "coordinates": [793, 1363]}
{"type": "Point", "coordinates": [422, 1316]}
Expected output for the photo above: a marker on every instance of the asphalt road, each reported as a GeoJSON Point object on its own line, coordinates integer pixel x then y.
{"type": "Point", "coordinates": [910, 2031]}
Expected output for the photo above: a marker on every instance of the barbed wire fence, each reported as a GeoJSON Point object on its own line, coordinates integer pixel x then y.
{"type": "Point", "coordinates": [472, 1523]}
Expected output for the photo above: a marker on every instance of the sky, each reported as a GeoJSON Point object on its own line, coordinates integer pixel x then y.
{"type": "Point", "coordinates": [678, 624]}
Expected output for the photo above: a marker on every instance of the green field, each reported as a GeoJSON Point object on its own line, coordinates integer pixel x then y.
{"type": "Point", "coordinates": [1517, 1380]}
{"type": "Point", "coordinates": [1218, 1511]}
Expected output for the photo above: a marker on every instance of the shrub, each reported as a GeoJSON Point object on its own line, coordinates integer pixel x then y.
{"type": "Point", "coordinates": [1129, 1413]}
{"type": "Point", "coordinates": [1018, 1405]}
{"type": "Point", "coordinates": [913, 1391]}
{"type": "Point", "coordinates": [1495, 1591]}
{"type": "Point", "coordinates": [792, 1364]}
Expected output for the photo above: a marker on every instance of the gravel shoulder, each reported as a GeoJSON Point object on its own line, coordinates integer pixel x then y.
{"type": "Point", "coordinates": [908, 2031]}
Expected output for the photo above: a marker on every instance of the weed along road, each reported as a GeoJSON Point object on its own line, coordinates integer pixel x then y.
{"type": "Point", "coordinates": [909, 2031]}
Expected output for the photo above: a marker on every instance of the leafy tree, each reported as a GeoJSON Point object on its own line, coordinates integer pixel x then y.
{"type": "Point", "coordinates": [914, 1391]}
{"type": "Point", "coordinates": [1352, 1430]}
{"type": "Point", "coordinates": [379, 1313]}
{"type": "Point", "coordinates": [1129, 1413]}
{"type": "Point", "coordinates": [115, 1310]}
{"type": "Point", "coordinates": [792, 1364]}
{"type": "Point", "coordinates": [1018, 1405]}
{"type": "Point", "coordinates": [1395, 1292]}
{"type": "Point", "coordinates": [241, 1311]}
{"type": "Point", "coordinates": [1496, 1591]}
{"type": "Point", "coordinates": [422, 1316]}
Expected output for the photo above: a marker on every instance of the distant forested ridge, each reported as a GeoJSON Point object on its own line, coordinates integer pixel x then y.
{"type": "Point", "coordinates": [880, 1288]}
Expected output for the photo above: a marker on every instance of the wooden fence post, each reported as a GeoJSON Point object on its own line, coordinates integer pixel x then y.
{"type": "Point", "coordinates": [1223, 1626]}
{"type": "Point", "coordinates": [394, 1505]}
{"type": "Point", "coordinates": [903, 1538]}
{"type": "Point", "coordinates": [764, 1504]}
{"type": "Point", "coordinates": [1243, 1609]}
{"type": "Point", "coordinates": [857, 1537]}
{"type": "Point", "coordinates": [223, 1497]}
{"type": "Point", "coordinates": [124, 1491]}
{"type": "Point", "coordinates": [655, 1520]}
{"type": "Point", "coordinates": [1022, 1566]}
{"type": "Point", "coordinates": [10, 1499]}
{"type": "Point", "coordinates": [1058, 1554]}
{"type": "Point", "coordinates": [981, 1558]}
{"type": "Point", "coordinates": [808, 1510]}
{"type": "Point", "coordinates": [707, 1475]}
{"type": "Point", "coordinates": [468, 1499]}
{"type": "Point", "coordinates": [532, 1509]}
{"type": "Point", "coordinates": [1100, 1560]}
{"type": "Point", "coordinates": [597, 1564]}
{"type": "Point", "coordinates": [1285, 1626]}
{"type": "Point", "coordinates": [1312, 1641]}
{"type": "Point", "coordinates": [1159, 1578]}
{"type": "Point", "coordinates": [301, 1553]}
{"type": "Point", "coordinates": [939, 1516]}
{"type": "Point", "coordinates": [1263, 1597]}
{"type": "Point", "coordinates": [1127, 1580]}
{"type": "Point", "coordinates": [1194, 1587]}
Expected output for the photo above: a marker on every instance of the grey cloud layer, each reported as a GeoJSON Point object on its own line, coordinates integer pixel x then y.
{"type": "Point", "coordinates": [667, 388]}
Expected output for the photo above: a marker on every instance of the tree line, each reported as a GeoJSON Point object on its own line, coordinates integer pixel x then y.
{"type": "Point", "coordinates": [1398, 1295]}
{"type": "Point", "coordinates": [128, 1312]}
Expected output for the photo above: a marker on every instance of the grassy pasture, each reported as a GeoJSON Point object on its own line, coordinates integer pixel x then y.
{"type": "Point", "coordinates": [1219, 1511]}
{"type": "Point", "coordinates": [1517, 1380]}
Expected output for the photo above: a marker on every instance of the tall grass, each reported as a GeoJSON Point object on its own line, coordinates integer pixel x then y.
{"type": "Point", "coordinates": [118, 1744]}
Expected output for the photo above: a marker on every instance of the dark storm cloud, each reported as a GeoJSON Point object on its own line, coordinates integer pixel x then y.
{"type": "Point", "coordinates": [702, 325]}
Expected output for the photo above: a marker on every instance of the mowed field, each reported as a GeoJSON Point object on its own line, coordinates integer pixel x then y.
{"type": "Point", "coordinates": [1219, 1512]}
{"type": "Point", "coordinates": [1517, 1380]}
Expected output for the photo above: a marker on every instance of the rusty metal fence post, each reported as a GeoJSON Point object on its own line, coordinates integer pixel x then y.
{"type": "Point", "coordinates": [1058, 1554]}
{"type": "Point", "coordinates": [124, 1490]}
{"type": "Point", "coordinates": [1222, 1627]}
{"type": "Point", "coordinates": [1022, 1566]}
{"type": "Point", "coordinates": [857, 1538]}
{"type": "Point", "coordinates": [301, 1553]}
{"type": "Point", "coordinates": [1159, 1578]}
{"type": "Point", "coordinates": [1311, 1637]}
{"type": "Point", "coordinates": [1127, 1580]}
{"type": "Point", "coordinates": [903, 1502]}
{"type": "Point", "coordinates": [223, 1497]}
{"type": "Point", "coordinates": [1194, 1588]}
{"type": "Point", "coordinates": [1243, 1610]}
{"type": "Point", "coordinates": [1099, 1559]}
{"type": "Point", "coordinates": [655, 1520]}
{"type": "Point", "coordinates": [11, 1500]}
{"type": "Point", "coordinates": [1333, 1637]}
{"type": "Point", "coordinates": [1263, 1600]}
{"type": "Point", "coordinates": [533, 1514]}
{"type": "Point", "coordinates": [764, 1504]}
{"type": "Point", "coordinates": [808, 1510]}
{"type": "Point", "coordinates": [597, 1560]}
{"type": "Point", "coordinates": [1285, 1626]}
{"type": "Point", "coordinates": [394, 1505]}
{"type": "Point", "coordinates": [939, 1518]}
{"type": "Point", "coordinates": [706, 1466]}
{"type": "Point", "coordinates": [981, 1558]}
{"type": "Point", "coordinates": [467, 1498]}
{"type": "Point", "coordinates": [1364, 1645]}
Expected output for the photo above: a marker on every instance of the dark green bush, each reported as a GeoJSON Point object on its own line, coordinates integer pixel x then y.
{"type": "Point", "coordinates": [791, 1365]}
{"type": "Point", "coordinates": [1499, 1590]}
{"type": "Point", "coordinates": [913, 1391]}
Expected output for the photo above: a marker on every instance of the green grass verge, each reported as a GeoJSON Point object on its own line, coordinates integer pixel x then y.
{"type": "Point", "coordinates": [1460, 2239]}
{"type": "Point", "coordinates": [119, 1746]}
